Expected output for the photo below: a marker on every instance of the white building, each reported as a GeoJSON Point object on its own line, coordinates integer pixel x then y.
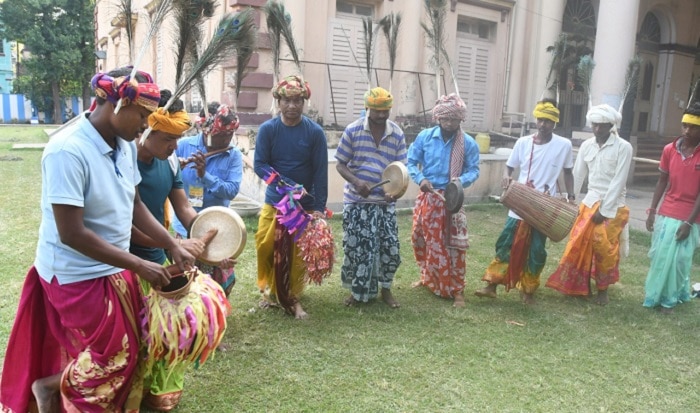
{"type": "Point", "coordinates": [499, 54]}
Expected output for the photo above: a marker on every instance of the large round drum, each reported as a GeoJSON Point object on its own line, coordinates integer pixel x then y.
{"type": "Point", "coordinates": [397, 176]}
{"type": "Point", "coordinates": [230, 239]}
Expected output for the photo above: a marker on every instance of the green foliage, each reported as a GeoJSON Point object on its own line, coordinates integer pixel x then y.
{"type": "Point", "coordinates": [60, 36]}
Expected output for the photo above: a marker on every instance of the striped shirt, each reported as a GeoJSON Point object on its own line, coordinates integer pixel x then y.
{"type": "Point", "coordinates": [366, 160]}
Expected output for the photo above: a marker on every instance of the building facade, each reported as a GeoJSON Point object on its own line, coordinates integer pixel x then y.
{"type": "Point", "coordinates": [499, 58]}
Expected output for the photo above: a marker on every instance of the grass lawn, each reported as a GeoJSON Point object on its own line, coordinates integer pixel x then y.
{"type": "Point", "coordinates": [560, 355]}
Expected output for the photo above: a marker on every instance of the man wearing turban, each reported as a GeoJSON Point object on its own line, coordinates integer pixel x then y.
{"type": "Point", "coordinates": [439, 156]}
{"type": "Point", "coordinates": [211, 180]}
{"type": "Point", "coordinates": [161, 186]}
{"type": "Point", "coordinates": [676, 230]}
{"type": "Point", "coordinates": [593, 250]}
{"type": "Point", "coordinates": [520, 249]}
{"type": "Point", "coordinates": [370, 236]}
{"type": "Point", "coordinates": [81, 300]}
{"type": "Point", "coordinates": [291, 155]}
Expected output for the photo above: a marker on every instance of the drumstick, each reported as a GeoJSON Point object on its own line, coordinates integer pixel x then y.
{"type": "Point", "coordinates": [439, 195]}
{"type": "Point", "coordinates": [386, 181]}
{"type": "Point", "coordinates": [173, 269]}
{"type": "Point", "coordinates": [208, 236]}
{"type": "Point", "coordinates": [206, 155]}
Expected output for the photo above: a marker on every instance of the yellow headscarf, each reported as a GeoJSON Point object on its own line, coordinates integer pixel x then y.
{"type": "Point", "coordinates": [546, 110]}
{"type": "Point", "coordinates": [691, 119]}
{"type": "Point", "coordinates": [173, 123]}
{"type": "Point", "coordinates": [379, 99]}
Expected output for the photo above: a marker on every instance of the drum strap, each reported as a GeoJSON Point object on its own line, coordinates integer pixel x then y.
{"type": "Point", "coordinates": [456, 166]}
{"type": "Point", "coordinates": [529, 166]}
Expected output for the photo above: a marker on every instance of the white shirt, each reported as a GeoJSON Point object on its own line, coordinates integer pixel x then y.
{"type": "Point", "coordinates": [547, 161]}
{"type": "Point", "coordinates": [607, 168]}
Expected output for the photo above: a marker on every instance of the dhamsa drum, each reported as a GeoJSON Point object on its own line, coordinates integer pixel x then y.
{"type": "Point", "coordinates": [186, 320]}
{"type": "Point", "coordinates": [394, 180]}
{"type": "Point", "coordinates": [552, 216]}
{"type": "Point", "coordinates": [230, 238]}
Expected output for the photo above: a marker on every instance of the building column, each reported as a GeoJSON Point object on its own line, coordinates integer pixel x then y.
{"type": "Point", "coordinates": [410, 57]}
{"type": "Point", "coordinates": [546, 25]}
{"type": "Point", "coordinates": [614, 47]}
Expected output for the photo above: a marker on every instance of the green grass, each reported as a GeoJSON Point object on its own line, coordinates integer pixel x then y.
{"type": "Point", "coordinates": [560, 355]}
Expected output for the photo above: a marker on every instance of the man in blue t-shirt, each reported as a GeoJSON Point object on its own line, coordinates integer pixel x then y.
{"type": "Point", "coordinates": [161, 178]}
{"type": "Point", "coordinates": [293, 147]}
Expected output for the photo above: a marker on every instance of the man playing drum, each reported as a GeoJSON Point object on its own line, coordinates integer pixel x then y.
{"type": "Point", "coordinates": [438, 156]}
{"type": "Point", "coordinates": [161, 180]}
{"type": "Point", "coordinates": [211, 181]}
{"type": "Point", "coordinates": [293, 148]}
{"type": "Point", "coordinates": [81, 300]}
{"type": "Point", "coordinates": [593, 250]}
{"type": "Point", "coordinates": [520, 249]}
{"type": "Point", "coordinates": [370, 231]}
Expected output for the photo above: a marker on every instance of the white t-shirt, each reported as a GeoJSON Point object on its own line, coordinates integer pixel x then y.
{"type": "Point", "coordinates": [548, 160]}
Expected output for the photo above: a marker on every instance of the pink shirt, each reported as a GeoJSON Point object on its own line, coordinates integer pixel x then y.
{"type": "Point", "coordinates": [683, 179]}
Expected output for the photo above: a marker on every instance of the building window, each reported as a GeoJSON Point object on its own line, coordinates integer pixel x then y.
{"type": "Point", "coordinates": [649, 35]}
{"type": "Point", "coordinates": [354, 9]}
{"type": "Point", "coordinates": [2, 48]}
{"type": "Point", "coordinates": [579, 18]}
{"type": "Point", "coordinates": [468, 27]}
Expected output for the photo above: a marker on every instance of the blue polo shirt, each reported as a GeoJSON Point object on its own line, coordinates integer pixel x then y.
{"type": "Point", "coordinates": [80, 169]}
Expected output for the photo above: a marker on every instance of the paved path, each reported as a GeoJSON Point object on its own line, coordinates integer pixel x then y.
{"type": "Point", "coordinates": [638, 200]}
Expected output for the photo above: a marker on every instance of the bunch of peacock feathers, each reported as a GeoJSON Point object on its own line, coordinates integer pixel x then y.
{"type": "Point", "coordinates": [694, 94]}
{"type": "Point", "coordinates": [437, 14]}
{"type": "Point", "coordinates": [190, 16]}
{"type": "Point", "coordinates": [558, 51]}
{"type": "Point", "coordinates": [584, 74]}
{"type": "Point", "coordinates": [279, 26]}
{"type": "Point", "coordinates": [389, 25]}
{"type": "Point", "coordinates": [230, 33]}
{"type": "Point", "coordinates": [631, 81]}
{"type": "Point", "coordinates": [126, 11]}
{"type": "Point", "coordinates": [157, 18]}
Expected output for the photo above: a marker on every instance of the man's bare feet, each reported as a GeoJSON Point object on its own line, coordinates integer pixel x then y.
{"type": "Point", "coordinates": [388, 298]}
{"type": "Point", "coordinates": [459, 300]}
{"type": "Point", "coordinates": [602, 298]}
{"type": "Point", "coordinates": [47, 394]}
{"type": "Point", "coordinates": [299, 312]}
{"type": "Point", "coordinates": [528, 298]}
{"type": "Point", "coordinates": [417, 284]}
{"type": "Point", "coordinates": [350, 301]}
{"type": "Point", "coordinates": [489, 291]}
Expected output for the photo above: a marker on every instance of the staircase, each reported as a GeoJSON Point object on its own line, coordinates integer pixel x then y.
{"type": "Point", "coordinates": [648, 148]}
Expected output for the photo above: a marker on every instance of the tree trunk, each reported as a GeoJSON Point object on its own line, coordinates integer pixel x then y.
{"type": "Point", "coordinates": [56, 95]}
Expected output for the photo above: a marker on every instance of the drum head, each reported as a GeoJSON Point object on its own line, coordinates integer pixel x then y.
{"type": "Point", "coordinates": [230, 239]}
{"type": "Point", "coordinates": [454, 196]}
{"type": "Point", "coordinates": [397, 175]}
